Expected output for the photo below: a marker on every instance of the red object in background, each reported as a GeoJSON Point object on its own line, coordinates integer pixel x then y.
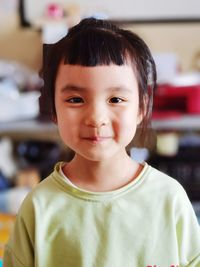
{"type": "Point", "coordinates": [174, 101]}
{"type": "Point", "coordinates": [54, 11]}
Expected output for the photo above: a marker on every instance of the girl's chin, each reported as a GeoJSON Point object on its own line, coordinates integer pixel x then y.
{"type": "Point", "coordinates": [100, 156]}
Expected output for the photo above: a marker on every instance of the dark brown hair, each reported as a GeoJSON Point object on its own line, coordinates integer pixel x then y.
{"type": "Point", "coordinates": [95, 42]}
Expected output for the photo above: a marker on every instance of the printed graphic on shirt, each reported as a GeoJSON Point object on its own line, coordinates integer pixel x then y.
{"type": "Point", "coordinates": [154, 265]}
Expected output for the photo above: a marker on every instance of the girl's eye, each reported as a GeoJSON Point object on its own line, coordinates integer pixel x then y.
{"type": "Point", "coordinates": [116, 100]}
{"type": "Point", "coordinates": [75, 100]}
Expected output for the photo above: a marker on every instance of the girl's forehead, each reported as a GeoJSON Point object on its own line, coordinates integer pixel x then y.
{"type": "Point", "coordinates": [104, 76]}
{"type": "Point", "coordinates": [117, 71]}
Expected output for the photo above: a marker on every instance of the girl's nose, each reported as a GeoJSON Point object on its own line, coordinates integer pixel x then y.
{"type": "Point", "coordinates": [96, 116]}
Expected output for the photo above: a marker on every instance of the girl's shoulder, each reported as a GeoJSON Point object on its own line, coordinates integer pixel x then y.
{"type": "Point", "coordinates": [162, 183]}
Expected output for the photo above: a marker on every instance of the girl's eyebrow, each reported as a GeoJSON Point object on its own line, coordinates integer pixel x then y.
{"type": "Point", "coordinates": [121, 89]}
{"type": "Point", "coordinates": [75, 88]}
{"type": "Point", "coordinates": [72, 88]}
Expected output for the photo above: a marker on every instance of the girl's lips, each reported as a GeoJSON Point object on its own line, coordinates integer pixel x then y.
{"type": "Point", "coordinates": [97, 138]}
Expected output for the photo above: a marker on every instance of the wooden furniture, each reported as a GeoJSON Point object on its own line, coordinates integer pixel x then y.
{"type": "Point", "coordinates": [6, 224]}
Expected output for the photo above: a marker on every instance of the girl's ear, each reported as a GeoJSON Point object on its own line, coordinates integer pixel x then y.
{"type": "Point", "coordinates": [140, 117]}
{"type": "Point", "coordinates": [142, 111]}
{"type": "Point", "coordinates": [54, 119]}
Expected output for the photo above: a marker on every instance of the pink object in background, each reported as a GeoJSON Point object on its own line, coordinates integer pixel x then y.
{"type": "Point", "coordinates": [54, 11]}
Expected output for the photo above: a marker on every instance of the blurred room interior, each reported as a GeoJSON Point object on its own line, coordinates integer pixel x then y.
{"type": "Point", "coordinates": [29, 143]}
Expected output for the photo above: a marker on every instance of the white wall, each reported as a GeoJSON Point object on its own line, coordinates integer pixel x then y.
{"type": "Point", "coordinates": [24, 45]}
{"type": "Point", "coordinates": [126, 9]}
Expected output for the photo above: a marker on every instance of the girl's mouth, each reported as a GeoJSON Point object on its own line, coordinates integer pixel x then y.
{"type": "Point", "coordinates": [97, 139]}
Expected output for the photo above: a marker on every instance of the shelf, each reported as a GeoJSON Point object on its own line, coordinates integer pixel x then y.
{"type": "Point", "coordinates": [182, 123]}
{"type": "Point", "coordinates": [39, 130]}
{"type": "Point", "coordinates": [31, 129]}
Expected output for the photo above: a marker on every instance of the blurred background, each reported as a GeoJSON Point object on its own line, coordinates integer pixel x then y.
{"type": "Point", "coordinates": [29, 142]}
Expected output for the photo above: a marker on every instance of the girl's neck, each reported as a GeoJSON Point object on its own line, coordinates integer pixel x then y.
{"type": "Point", "coordinates": [102, 176]}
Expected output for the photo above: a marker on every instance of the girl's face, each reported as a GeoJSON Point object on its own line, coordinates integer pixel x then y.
{"type": "Point", "coordinates": [97, 109]}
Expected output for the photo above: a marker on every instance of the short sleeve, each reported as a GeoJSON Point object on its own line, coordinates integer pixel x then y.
{"type": "Point", "coordinates": [9, 259]}
{"type": "Point", "coordinates": [188, 231]}
{"type": "Point", "coordinates": [19, 252]}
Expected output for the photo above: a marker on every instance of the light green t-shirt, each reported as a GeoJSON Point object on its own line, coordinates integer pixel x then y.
{"type": "Point", "coordinates": [149, 222]}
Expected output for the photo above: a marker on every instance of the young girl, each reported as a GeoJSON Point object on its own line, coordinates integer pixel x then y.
{"type": "Point", "coordinates": [102, 209]}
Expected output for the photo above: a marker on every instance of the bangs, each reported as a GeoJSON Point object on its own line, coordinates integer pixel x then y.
{"type": "Point", "coordinates": [94, 47]}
